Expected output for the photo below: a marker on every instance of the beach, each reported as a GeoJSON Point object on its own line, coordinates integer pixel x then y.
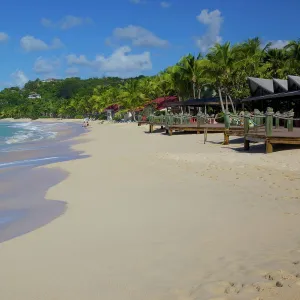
{"type": "Point", "coordinates": [150, 216]}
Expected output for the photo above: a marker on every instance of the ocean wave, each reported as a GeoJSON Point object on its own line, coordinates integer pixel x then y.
{"type": "Point", "coordinates": [26, 162]}
{"type": "Point", "coordinates": [30, 132]}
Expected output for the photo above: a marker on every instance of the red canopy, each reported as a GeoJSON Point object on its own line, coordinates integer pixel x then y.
{"type": "Point", "coordinates": [114, 107]}
{"type": "Point", "coordinates": [160, 102]}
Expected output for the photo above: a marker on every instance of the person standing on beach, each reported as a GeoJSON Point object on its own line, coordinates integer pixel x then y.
{"type": "Point", "coordinates": [85, 122]}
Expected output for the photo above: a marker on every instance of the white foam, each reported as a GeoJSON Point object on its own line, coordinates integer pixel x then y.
{"type": "Point", "coordinates": [31, 132]}
{"type": "Point", "coordinates": [26, 161]}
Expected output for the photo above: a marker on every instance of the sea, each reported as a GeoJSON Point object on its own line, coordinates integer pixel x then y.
{"type": "Point", "coordinates": [24, 148]}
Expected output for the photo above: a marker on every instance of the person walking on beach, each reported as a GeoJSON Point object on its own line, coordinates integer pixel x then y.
{"type": "Point", "coordinates": [85, 122]}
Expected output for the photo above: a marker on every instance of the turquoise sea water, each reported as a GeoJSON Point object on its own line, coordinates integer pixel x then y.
{"type": "Point", "coordinates": [23, 147]}
{"type": "Point", "coordinates": [19, 142]}
{"type": "Point", "coordinates": [18, 133]}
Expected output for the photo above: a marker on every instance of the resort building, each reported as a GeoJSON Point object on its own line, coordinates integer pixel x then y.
{"type": "Point", "coordinates": [50, 80]}
{"type": "Point", "coordinates": [34, 96]}
{"type": "Point", "coordinates": [277, 93]}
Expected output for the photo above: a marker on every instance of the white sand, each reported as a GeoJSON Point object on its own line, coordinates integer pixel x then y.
{"type": "Point", "coordinates": [157, 217]}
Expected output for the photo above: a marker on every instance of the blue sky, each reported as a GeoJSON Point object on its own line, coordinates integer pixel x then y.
{"type": "Point", "coordinates": [128, 37]}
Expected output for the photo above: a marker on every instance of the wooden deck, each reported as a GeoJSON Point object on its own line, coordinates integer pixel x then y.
{"type": "Point", "coordinates": [151, 125]}
{"type": "Point", "coordinates": [208, 128]}
{"type": "Point", "coordinates": [140, 123]}
{"type": "Point", "coordinates": [280, 135]}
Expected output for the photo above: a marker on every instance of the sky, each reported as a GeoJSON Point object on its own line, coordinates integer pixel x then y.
{"type": "Point", "coordinates": [92, 38]}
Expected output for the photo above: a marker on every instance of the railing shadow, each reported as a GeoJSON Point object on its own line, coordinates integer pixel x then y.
{"type": "Point", "coordinates": [235, 141]}
{"type": "Point", "coordinates": [159, 130]}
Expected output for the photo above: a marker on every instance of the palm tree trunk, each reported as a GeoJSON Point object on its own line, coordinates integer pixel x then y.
{"type": "Point", "coordinates": [221, 101]}
{"type": "Point", "coordinates": [233, 108]}
{"type": "Point", "coordinates": [199, 93]}
{"type": "Point", "coordinates": [226, 103]}
{"type": "Point", "coordinates": [194, 90]}
{"type": "Point", "coordinates": [133, 115]}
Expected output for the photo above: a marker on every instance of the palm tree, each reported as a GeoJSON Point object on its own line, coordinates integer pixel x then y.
{"type": "Point", "coordinates": [293, 51]}
{"type": "Point", "coordinates": [249, 62]}
{"type": "Point", "coordinates": [220, 67]}
{"type": "Point", "coordinates": [190, 69]}
{"type": "Point", "coordinates": [104, 97]}
{"type": "Point", "coordinates": [131, 96]}
{"type": "Point", "coordinates": [276, 63]}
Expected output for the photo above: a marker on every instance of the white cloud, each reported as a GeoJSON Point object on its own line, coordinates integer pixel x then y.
{"type": "Point", "coordinates": [279, 44]}
{"type": "Point", "coordinates": [73, 59]}
{"type": "Point", "coordinates": [66, 22]}
{"type": "Point", "coordinates": [165, 4]}
{"type": "Point", "coordinates": [139, 36]}
{"type": "Point", "coordinates": [3, 37]}
{"type": "Point", "coordinates": [30, 43]}
{"type": "Point", "coordinates": [46, 22]}
{"type": "Point", "coordinates": [46, 66]}
{"type": "Point", "coordinates": [56, 44]}
{"type": "Point", "coordinates": [213, 20]}
{"type": "Point", "coordinates": [19, 78]}
{"type": "Point", "coordinates": [137, 1]}
{"type": "Point", "coordinates": [72, 71]}
{"type": "Point", "coordinates": [119, 63]}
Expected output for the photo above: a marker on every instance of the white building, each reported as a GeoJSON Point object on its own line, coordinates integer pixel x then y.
{"type": "Point", "coordinates": [50, 80]}
{"type": "Point", "coordinates": [34, 96]}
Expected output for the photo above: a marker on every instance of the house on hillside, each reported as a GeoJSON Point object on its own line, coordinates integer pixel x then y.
{"type": "Point", "coordinates": [50, 80]}
{"type": "Point", "coordinates": [34, 96]}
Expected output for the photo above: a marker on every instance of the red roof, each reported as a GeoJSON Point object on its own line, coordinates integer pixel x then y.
{"type": "Point", "coordinates": [114, 107]}
{"type": "Point", "coordinates": [160, 102]}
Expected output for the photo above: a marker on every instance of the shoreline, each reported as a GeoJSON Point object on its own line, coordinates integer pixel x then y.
{"type": "Point", "coordinates": [146, 221]}
{"type": "Point", "coordinates": [24, 184]}
{"type": "Point", "coordinates": [42, 120]}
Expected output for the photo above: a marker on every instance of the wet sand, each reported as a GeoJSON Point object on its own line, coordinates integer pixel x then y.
{"type": "Point", "coordinates": [23, 207]}
{"type": "Point", "coordinates": [156, 217]}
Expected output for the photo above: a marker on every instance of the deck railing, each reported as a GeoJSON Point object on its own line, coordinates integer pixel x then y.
{"type": "Point", "coordinates": [267, 121]}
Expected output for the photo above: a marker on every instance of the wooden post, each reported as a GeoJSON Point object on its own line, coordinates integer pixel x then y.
{"type": "Point", "coordinates": [226, 138]}
{"type": "Point", "coordinates": [246, 130]}
{"type": "Point", "coordinates": [227, 120]}
{"type": "Point", "coordinates": [290, 121]}
{"type": "Point", "coordinates": [277, 120]}
{"type": "Point", "coordinates": [246, 144]}
{"type": "Point", "coordinates": [290, 124]}
{"type": "Point", "coordinates": [150, 128]}
{"type": "Point", "coordinates": [246, 122]}
{"type": "Point", "coordinates": [256, 118]}
{"type": "Point", "coordinates": [269, 121]}
{"type": "Point", "coordinates": [205, 135]}
{"type": "Point", "coordinates": [170, 132]}
{"type": "Point", "coordinates": [269, 147]}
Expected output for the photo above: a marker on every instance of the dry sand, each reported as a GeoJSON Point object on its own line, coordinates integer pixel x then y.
{"type": "Point", "coordinates": [156, 217]}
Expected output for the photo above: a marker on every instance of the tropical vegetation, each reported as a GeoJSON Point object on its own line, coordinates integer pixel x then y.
{"type": "Point", "coordinates": [222, 71]}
